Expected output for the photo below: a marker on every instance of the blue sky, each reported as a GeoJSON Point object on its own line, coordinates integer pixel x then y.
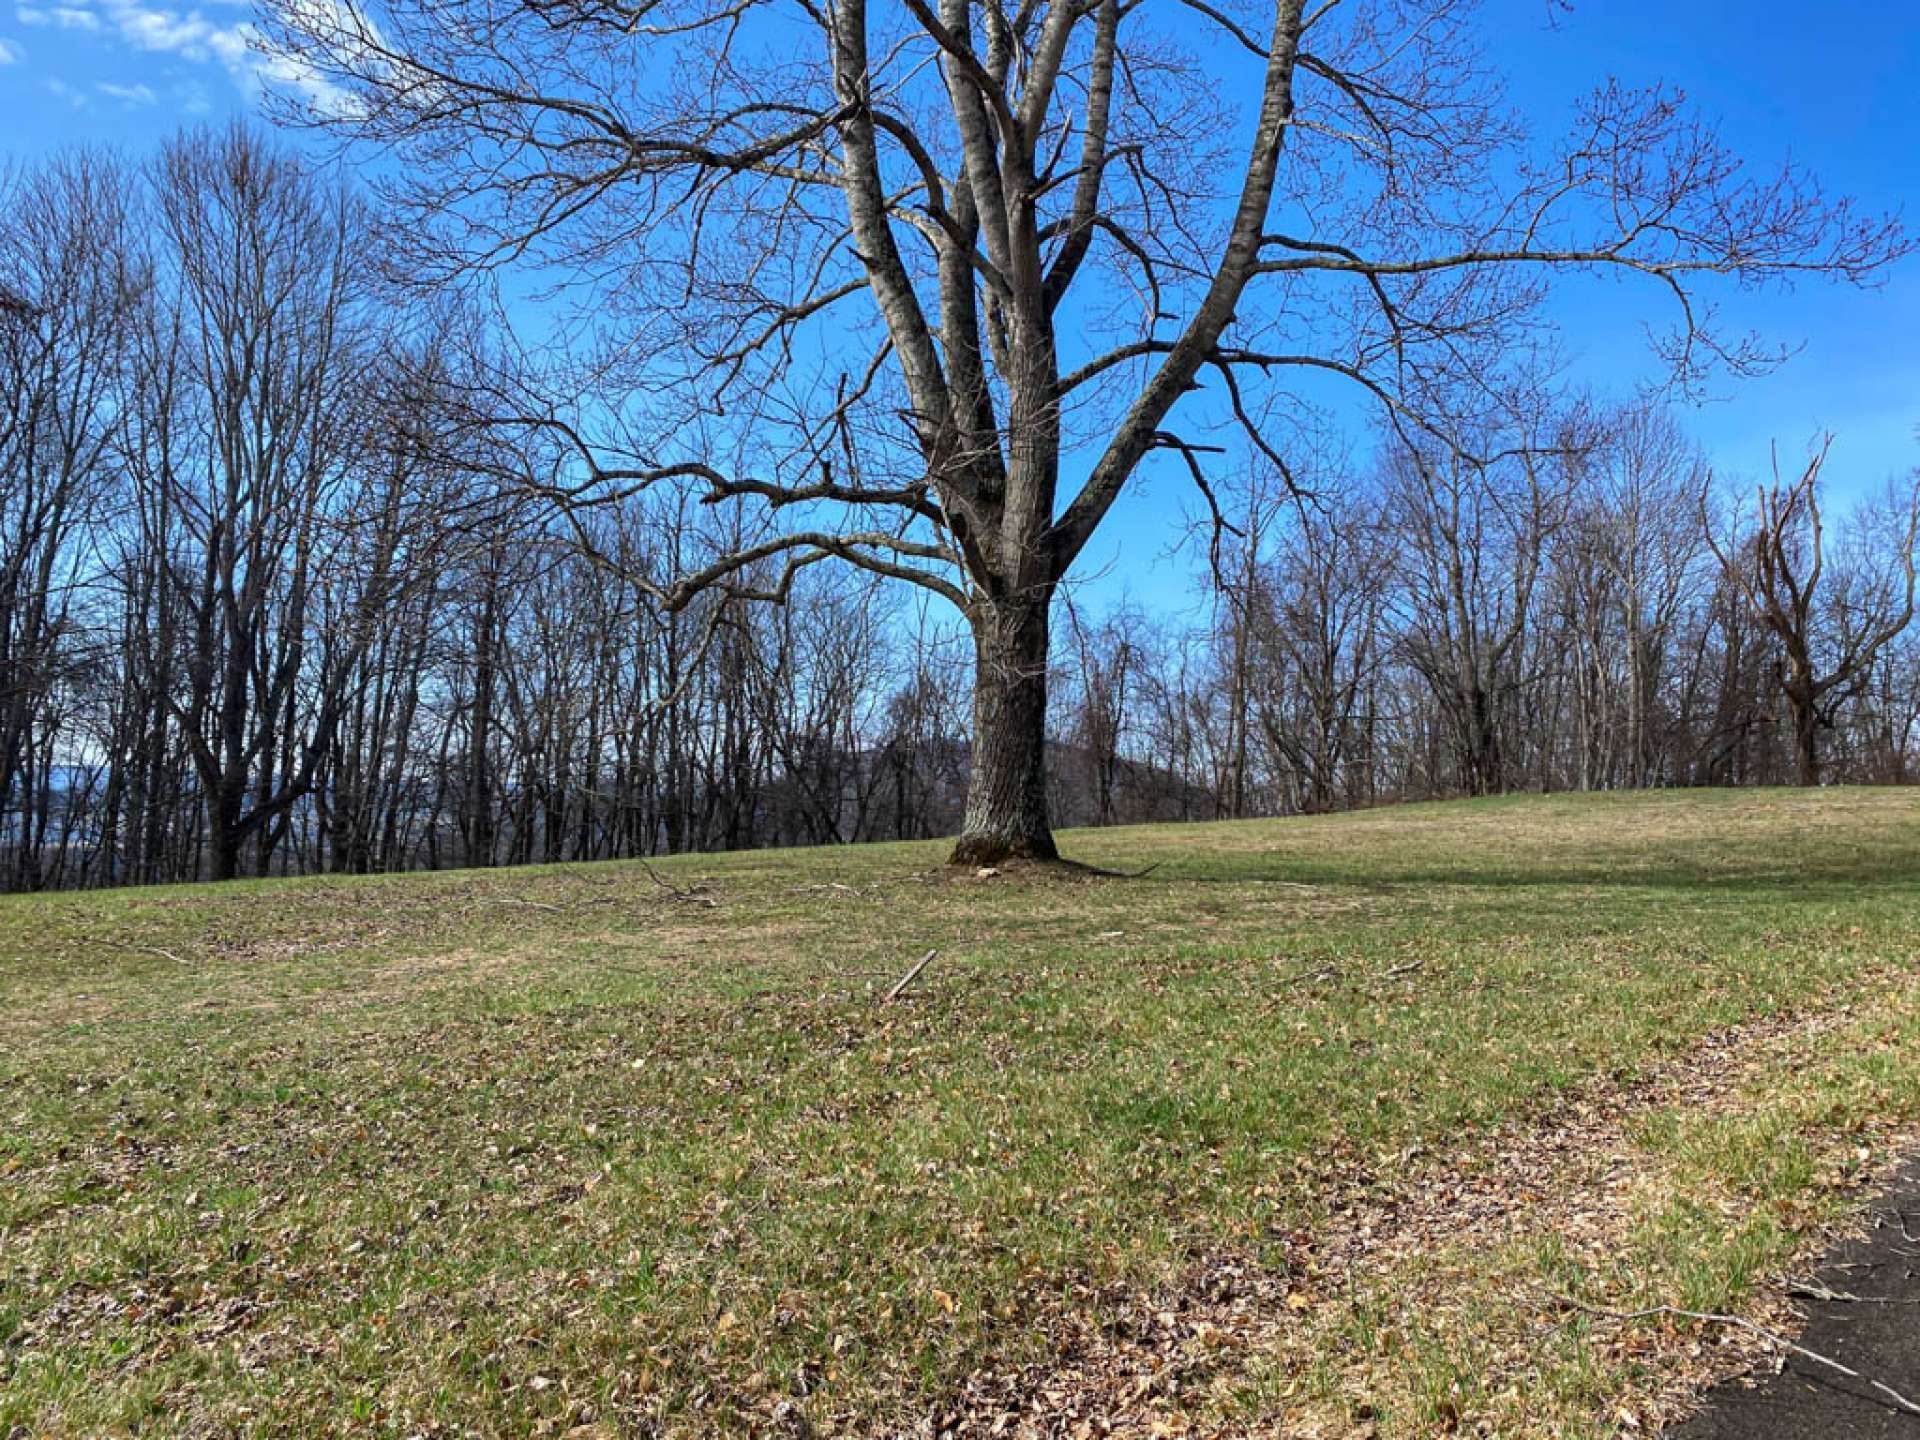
{"type": "Point", "coordinates": [1835, 87]}
{"type": "Point", "coordinates": [117, 70]}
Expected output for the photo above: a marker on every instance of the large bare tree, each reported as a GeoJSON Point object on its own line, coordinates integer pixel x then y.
{"type": "Point", "coordinates": [929, 282]}
{"type": "Point", "coordinates": [254, 441]}
{"type": "Point", "coordinates": [1829, 636]}
{"type": "Point", "coordinates": [208, 572]}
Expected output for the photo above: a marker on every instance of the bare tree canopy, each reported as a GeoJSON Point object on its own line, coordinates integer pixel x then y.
{"type": "Point", "coordinates": [898, 273]}
{"type": "Point", "coordinates": [1778, 567]}
{"type": "Point", "coordinates": [930, 282]}
{"type": "Point", "coordinates": [271, 603]}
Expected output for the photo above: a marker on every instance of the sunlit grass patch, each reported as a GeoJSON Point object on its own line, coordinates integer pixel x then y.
{"type": "Point", "coordinates": [562, 1149]}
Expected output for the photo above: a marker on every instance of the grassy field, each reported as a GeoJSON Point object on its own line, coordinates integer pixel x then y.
{"type": "Point", "coordinates": [1316, 1127]}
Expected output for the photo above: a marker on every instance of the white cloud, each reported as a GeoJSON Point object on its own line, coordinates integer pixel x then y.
{"type": "Point", "coordinates": [160, 29]}
{"type": "Point", "coordinates": [169, 32]}
{"type": "Point", "coordinates": [127, 94]}
{"type": "Point", "coordinates": [60, 90]}
{"type": "Point", "coordinates": [192, 36]}
{"type": "Point", "coordinates": [67, 17]}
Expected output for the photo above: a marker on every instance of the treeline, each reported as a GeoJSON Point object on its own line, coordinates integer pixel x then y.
{"type": "Point", "coordinates": [1604, 618]}
{"type": "Point", "coordinates": [271, 603]}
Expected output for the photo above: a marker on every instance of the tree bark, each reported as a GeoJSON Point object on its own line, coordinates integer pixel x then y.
{"type": "Point", "coordinates": [1806, 752]}
{"type": "Point", "coordinates": [225, 834]}
{"type": "Point", "coordinates": [1006, 816]}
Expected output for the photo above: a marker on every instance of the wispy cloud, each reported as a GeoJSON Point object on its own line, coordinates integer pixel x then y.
{"type": "Point", "coordinates": [190, 34]}
{"type": "Point", "coordinates": [130, 95]}
{"type": "Point", "coordinates": [10, 53]}
{"type": "Point", "coordinates": [61, 90]}
{"type": "Point", "coordinates": [67, 17]}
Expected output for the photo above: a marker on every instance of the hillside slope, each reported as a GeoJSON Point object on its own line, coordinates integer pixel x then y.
{"type": "Point", "coordinates": [1317, 1125]}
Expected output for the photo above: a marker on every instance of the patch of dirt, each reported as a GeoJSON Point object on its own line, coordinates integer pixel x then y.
{"type": "Point", "coordinates": [1020, 871]}
{"type": "Point", "coordinates": [403, 978]}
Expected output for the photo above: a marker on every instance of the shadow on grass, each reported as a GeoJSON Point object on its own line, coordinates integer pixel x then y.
{"type": "Point", "coordinates": [1798, 882]}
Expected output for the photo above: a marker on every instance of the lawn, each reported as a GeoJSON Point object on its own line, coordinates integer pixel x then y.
{"type": "Point", "coordinates": [1314, 1129]}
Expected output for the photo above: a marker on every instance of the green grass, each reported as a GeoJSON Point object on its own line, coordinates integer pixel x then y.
{"type": "Point", "coordinates": [557, 1151]}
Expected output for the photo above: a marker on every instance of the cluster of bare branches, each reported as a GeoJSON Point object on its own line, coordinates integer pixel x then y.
{"type": "Point", "coordinates": [308, 567]}
{"type": "Point", "coordinates": [1829, 628]}
{"type": "Point", "coordinates": [266, 605]}
{"type": "Point", "coordinates": [1611, 619]}
{"type": "Point", "coordinates": [923, 288]}
{"type": "Point", "coordinates": [213, 490]}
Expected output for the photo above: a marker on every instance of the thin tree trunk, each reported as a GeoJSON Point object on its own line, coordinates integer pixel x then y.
{"type": "Point", "coordinates": [1806, 753]}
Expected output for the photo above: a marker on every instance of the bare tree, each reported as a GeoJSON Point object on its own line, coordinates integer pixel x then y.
{"type": "Point", "coordinates": [922, 757]}
{"type": "Point", "coordinates": [888, 272]}
{"type": "Point", "coordinates": [1476, 538]}
{"type": "Point", "coordinates": [243, 493]}
{"type": "Point", "coordinates": [1106, 658]}
{"type": "Point", "coordinates": [68, 280]}
{"type": "Point", "coordinates": [1889, 723]}
{"type": "Point", "coordinates": [1324, 629]}
{"type": "Point", "coordinates": [243, 482]}
{"type": "Point", "coordinates": [1778, 568]}
{"type": "Point", "coordinates": [1626, 571]}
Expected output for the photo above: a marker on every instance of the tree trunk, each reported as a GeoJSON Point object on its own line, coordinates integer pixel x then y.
{"type": "Point", "coordinates": [1006, 815]}
{"type": "Point", "coordinates": [1806, 755]}
{"type": "Point", "coordinates": [223, 849]}
{"type": "Point", "coordinates": [1480, 754]}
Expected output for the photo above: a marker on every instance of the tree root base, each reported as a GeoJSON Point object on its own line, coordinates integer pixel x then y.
{"type": "Point", "coordinates": [1056, 867]}
{"type": "Point", "coordinates": [980, 851]}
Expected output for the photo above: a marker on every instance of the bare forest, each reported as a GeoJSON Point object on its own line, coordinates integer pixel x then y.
{"type": "Point", "coordinates": [272, 602]}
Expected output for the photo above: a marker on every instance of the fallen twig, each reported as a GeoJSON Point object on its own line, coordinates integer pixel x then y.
{"type": "Point", "coordinates": [690, 894]}
{"type": "Point", "coordinates": [900, 985]}
{"type": "Point", "coordinates": [1906, 1231]}
{"type": "Point", "coordinates": [1899, 1401]}
{"type": "Point", "coordinates": [1815, 1290]}
{"type": "Point", "coordinates": [1406, 969]}
{"type": "Point", "coordinates": [1101, 872]}
{"type": "Point", "coordinates": [661, 880]}
{"type": "Point", "coordinates": [1317, 972]}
